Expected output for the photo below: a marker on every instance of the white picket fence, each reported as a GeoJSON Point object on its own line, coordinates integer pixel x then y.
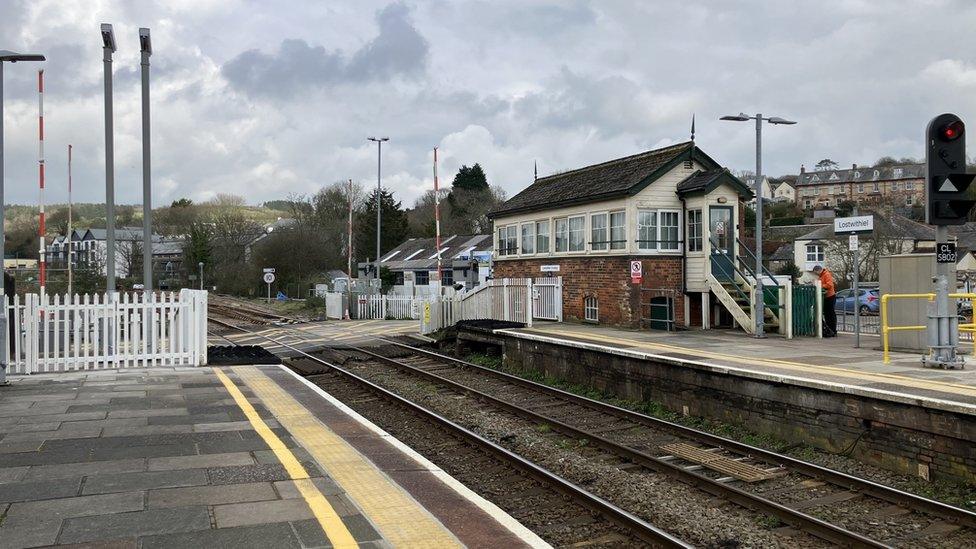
{"type": "Point", "coordinates": [390, 307]}
{"type": "Point", "coordinates": [82, 332]}
{"type": "Point", "coordinates": [507, 299]}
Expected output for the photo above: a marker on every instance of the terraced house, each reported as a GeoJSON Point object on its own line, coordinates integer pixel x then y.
{"type": "Point", "coordinates": [897, 186]}
{"type": "Point", "coordinates": [675, 211]}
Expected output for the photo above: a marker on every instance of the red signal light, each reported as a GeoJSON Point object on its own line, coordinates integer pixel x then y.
{"type": "Point", "coordinates": [951, 132]}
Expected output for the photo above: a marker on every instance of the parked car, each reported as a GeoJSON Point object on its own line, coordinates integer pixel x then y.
{"type": "Point", "coordinates": [866, 302]}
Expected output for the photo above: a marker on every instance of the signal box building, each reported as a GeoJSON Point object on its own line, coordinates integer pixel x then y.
{"type": "Point", "coordinates": [675, 211]}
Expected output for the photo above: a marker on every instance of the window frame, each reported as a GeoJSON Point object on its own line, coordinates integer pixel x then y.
{"type": "Point", "coordinates": [602, 243]}
{"type": "Point", "coordinates": [818, 253]}
{"type": "Point", "coordinates": [556, 234]}
{"type": "Point", "coordinates": [591, 304]}
{"type": "Point", "coordinates": [539, 236]}
{"type": "Point", "coordinates": [655, 245]}
{"type": "Point", "coordinates": [581, 231]}
{"type": "Point", "coordinates": [426, 278]}
{"type": "Point", "coordinates": [530, 250]}
{"type": "Point", "coordinates": [617, 244]}
{"type": "Point", "coordinates": [695, 230]}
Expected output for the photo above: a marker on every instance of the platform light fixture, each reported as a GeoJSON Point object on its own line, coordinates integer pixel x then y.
{"type": "Point", "coordinates": [379, 216]}
{"type": "Point", "coordinates": [758, 305]}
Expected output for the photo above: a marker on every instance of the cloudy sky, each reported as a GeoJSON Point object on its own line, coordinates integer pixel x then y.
{"type": "Point", "coordinates": [271, 98]}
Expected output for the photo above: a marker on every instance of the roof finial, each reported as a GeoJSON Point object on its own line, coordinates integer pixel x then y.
{"type": "Point", "coordinates": [692, 127]}
{"type": "Point", "coordinates": [535, 170]}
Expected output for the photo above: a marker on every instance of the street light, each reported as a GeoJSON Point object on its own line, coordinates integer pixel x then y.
{"type": "Point", "coordinates": [758, 304]}
{"type": "Point", "coordinates": [145, 45]}
{"type": "Point", "coordinates": [379, 168]}
{"type": "Point", "coordinates": [201, 274]}
{"type": "Point", "coordinates": [108, 48]}
{"type": "Point", "coordinates": [10, 57]}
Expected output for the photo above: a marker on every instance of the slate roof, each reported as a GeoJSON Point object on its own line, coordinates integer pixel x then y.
{"type": "Point", "coordinates": [894, 224]}
{"type": "Point", "coordinates": [602, 181]}
{"type": "Point", "coordinates": [861, 175]}
{"type": "Point", "coordinates": [420, 250]}
{"type": "Point", "coordinates": [704, 181]}
{"type": "Point", "coordinates": [782, 253]}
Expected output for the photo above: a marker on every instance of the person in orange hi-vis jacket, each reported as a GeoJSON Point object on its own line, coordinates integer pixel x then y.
{"type": "Point", "coordinates": [829, 311]}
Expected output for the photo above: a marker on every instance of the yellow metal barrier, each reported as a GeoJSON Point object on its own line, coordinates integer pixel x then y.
{"type": "Point", "coordinates": [885, 328]}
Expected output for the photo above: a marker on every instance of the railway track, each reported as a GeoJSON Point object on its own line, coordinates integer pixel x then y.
{"type": "Point", "coordinates": [560, 511]}
{"type": "Point", "coordinates": [226, 309]}
{"type": "Point", "coordinates": [833, 506]}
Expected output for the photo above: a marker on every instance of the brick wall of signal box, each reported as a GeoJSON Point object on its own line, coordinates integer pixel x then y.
{"type": "Point", "coordinates": [608, 278]}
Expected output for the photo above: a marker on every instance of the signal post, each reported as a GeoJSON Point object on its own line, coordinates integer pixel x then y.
{"type": "Point", "coordinates": [949, 197]}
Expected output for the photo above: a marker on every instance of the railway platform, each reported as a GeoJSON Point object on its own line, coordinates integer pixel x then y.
{"type": "Point", "coordinates": [831, 363]}
{"type": "Point", "coordinates": [822, 393]}
{"type": "Point", "coordinates": [235, 456]}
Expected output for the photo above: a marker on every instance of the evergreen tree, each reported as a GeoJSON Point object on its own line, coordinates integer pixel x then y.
{"type": "Point", "coordinates": [470, 179]}
{"type": "Point", "coordinates": [394, 226]}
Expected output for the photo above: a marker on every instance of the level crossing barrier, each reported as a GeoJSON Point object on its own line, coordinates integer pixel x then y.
{"type": "Point", "coordinates": [95, 331]}
{"type": "Point", "coordinates": [887, 328]}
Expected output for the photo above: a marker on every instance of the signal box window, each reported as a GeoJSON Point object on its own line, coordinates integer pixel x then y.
{"type": "Point", "coordinates": [591, 309]}
{"type": "Point", "coordinates": [422, 277]}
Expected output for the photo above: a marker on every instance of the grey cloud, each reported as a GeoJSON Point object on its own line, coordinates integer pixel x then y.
{"type": "Point", "coordinates": [398, 50]}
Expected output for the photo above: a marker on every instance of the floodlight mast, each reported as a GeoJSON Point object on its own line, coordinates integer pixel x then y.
{"type": "Point", "coordinates": [758, 303]}
{"type": "Point", "coordinates": [145, 45]}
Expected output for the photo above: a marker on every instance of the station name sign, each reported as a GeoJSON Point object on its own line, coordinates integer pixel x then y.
{"type": "Point", "coordinates": [854, 225]}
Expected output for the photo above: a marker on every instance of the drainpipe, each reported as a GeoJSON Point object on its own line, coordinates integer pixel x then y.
{"type": "Point", "coordinates": [684, 247]}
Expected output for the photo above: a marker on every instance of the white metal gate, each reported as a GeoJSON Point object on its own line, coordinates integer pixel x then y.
{"type": "Point", "coordinates": [547, 298]}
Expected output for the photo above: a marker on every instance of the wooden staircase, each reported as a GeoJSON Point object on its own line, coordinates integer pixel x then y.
{"type": "Point", "coordinates": [737, 298]}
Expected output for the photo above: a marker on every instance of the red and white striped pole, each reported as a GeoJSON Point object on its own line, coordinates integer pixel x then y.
{"type": "Point", "coordinates": [40, 175]}
{"type": "Point", "coordinates": [68, 236]}
{"type": "Point", "coordinates": [437, 217]}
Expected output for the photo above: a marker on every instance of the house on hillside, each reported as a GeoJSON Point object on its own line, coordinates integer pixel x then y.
{"type": "Point", "coordinates": [767, 188]}
{"type": "Point", "coordinates": [893, 234]}
{"type": "Point", "coordinates": [784, 192]}
{"type": "Point", "coordinates": [672, 214]}
{"type": "Point", "coordinates": [465, 260]}
{"type": "Point", "coordinates": [90, 248]}
{"type": "Point", "coordinates": [897, 186]}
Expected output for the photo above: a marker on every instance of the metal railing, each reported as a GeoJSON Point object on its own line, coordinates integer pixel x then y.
{"type": "Point", "coordinates": [886, 328]}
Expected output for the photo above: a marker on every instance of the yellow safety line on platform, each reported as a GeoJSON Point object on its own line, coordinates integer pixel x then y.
{"type": "Point", "coordinates": [326, 515]}
{"type": "Point", "coordinates": [399, 518]}
{"type": "Point", "coordinates": [953, 388]}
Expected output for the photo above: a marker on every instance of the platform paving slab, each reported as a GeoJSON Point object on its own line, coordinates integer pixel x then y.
{"type": "Point", "coordinates": [147, 480]}
{"type": "Point", "coordinates": [139, 523]}
{"type": "Point", "coordinates": [81, 506]}
{"type": "Point", "coordinates": [210, 495]}
{"type": "Point", "coordinates": [278, 535]}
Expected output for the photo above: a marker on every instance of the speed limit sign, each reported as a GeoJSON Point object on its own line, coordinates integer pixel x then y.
{"type": "Point", "coordinates": [269, 278]}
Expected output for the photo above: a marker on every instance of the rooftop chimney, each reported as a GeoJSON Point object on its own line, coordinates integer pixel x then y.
{"type": "Point", "coordinates": [803, 169]}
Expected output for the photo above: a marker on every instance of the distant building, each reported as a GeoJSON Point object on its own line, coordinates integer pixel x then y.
{"type": "Point", "coordinates": [897, 186]}
{"type": "Point", "coordinates": [767, 188]}
{"type": "Point", "coordinates": [89, 247]}
{"type": "Point", "coordinates": [784, 192]}
{"type": "Point", "coordinates": [464, 259]}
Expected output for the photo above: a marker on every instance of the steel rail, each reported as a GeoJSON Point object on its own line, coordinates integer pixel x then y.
{"type": "Point", "coordinates": [798, 519]}
{"type": "Point", "coordinates": [880, 491]}
{"type": "Point", "coordinates": [641, 528]}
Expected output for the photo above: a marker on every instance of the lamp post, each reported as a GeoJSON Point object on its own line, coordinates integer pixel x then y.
{"type": "Point", "coordinates": [10, 57]}
{"type": "Point", "coordinates": [108, 48]}
{"type": "Point", "coordinates": [146, 46]}
{"type": "Point", "coordinates": [758, 302]}
{"type": "Point", "coordinates": [379, 209]}
{"type": "Point", "coordinates": [201, 274]}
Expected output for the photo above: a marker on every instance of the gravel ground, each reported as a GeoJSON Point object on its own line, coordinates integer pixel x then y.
{"type": "Point", "coordinates": [684, 511]}
{"type": "Point", "coordinates": [898, 527]}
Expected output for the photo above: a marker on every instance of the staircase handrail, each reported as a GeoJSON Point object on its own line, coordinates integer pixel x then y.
{"type": "Point", "coordinates": [752, 255]}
